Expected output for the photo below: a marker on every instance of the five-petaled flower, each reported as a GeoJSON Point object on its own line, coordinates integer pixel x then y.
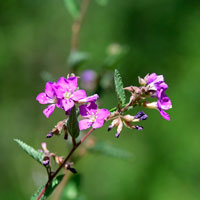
{"type": "Point", "coordinates": [67, 91]}
{"type": "Point", "coordinates": [94, 117]}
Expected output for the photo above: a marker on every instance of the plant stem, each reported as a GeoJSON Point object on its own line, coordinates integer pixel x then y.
{"type": "Point", "coordinates": [76, 27]}
{"type": "Point", "coordinates": [62, 165]}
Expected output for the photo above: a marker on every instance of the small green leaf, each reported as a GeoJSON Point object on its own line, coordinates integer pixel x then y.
{"type": "Point", "coordinates": [72, 123]}
{"type": "Point", "coordinates": [72, 189]}
{"type": "Point", "coordinates": [49, 190]}
{"type": "Point", "coordinates": [35, 154]}
{"type": "Point", "coordinates": [77, 58]}
{"type": "Point", "coordinates": [119, 87]}
{"type": "Point", "coordinates": [102, 2]}
{"type": "Point", "coordinates": [73, 7]}
{"type": "Point", "coordinates": [106, 149]}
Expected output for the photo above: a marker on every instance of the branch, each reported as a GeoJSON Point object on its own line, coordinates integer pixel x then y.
{"type": "Point", "coordinates": [64, 162]}
{"type": "Point", "coordinates": [76, 27]}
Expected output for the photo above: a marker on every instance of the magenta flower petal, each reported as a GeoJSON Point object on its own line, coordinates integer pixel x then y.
{"type": "Point", "coordinates": [102, 113]}
{"type": "Point", "coordinates": [164, 114]}
{"type": "Point", "coordinates": [43, 99]}
{"type": "Point", "coordinates": [98, 123]}
{"type": "Point", "coordinates": [59, 91]}
{"type": "Point", "coordinates": [92, 108]}
{"type": "Point", "coordinates": [67, 104]}
{"type": "Point", "coordinates": [152, 77]}
{"type": "Point", "coordinates": [79, 94]}
{"type": "Point", "coordinates": [163, 100]}
{"type": "Point", "coordinates": [84, 124]}
{"type": "Point", "coordinates": [62, 82]}
{"type": "Point", "coordinates": [89, 99]}
{"type": "Point", "coordinates": [83, 111]}
{"type": "Point", "coordinates": [49, 90]}
{"type": "Point", "coordinates": [49, 110]}
{"type": "Point", "coordinates": [72, 83]}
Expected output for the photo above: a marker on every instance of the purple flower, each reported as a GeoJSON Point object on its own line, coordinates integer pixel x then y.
{"type": "Point", "coordinates": [94, 117]}
{"type": "Point", "coordinates": [157, 88]}
{"type": "Point", "coordinates": [66, 90]}
{"type": "Point", "coordinates": [89, 79]}
{"type": "Point", "coordinates": [48, 97]}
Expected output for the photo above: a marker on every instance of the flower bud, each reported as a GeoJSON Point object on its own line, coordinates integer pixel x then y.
{"type": "Point", "coordinates": [128, 118]}
{"type": "Point", "coordinates": [119, 128]}
{"type": "Point", "coordinates": [59, 160]}
{"type": "Point", "coordinates": [114, 123]}
{"type": "Point", "coordinates": [69, 167]}
{"type": "Point", "coordinates": [46, 161]}
{"type": "Point", "coordinates": [139, 128]}
{"type": "Point", "coordinates": [49, 135]}
{"type": "Point", "coordinates": [44, 147]}
{"type": "Point", "coordinates": [141, 81]}
{"type": "Point", "coordinates": [152, 105]}
{"type": "Point", "coordinates": [141, 116]}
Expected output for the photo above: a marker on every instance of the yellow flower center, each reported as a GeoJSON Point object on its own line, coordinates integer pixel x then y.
{"type": "Point", "coordinates": [67, 95]}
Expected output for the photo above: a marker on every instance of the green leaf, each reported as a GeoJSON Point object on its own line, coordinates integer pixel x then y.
{"type": "Point", "coordinates": [73, 7]}
{"type": "Point", "coordinates": [72, 123]}
{"type": "Point", "coordinates": [102, 2]}
{"type": "Point", "coordinates": [106, 149]}
{"type": "Point", "coordinates": [119, 87]}
{"type": "Point", "coordinates": [72, 189]}
{"type": "Point", "coordinates": [35, 154]}
{"type": "Point", "coordinates": [77, 58]}
{"type": "Point", "coordinates": [50, 188]}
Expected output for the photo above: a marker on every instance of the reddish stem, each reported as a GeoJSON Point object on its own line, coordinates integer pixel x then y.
{"type": "Point", "coordinates": [66, 159]}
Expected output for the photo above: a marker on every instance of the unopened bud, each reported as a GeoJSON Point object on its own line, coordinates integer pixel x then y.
{"type": "Point", "coordinates": [114, 123]}
{"type": "Point", "coordinates": [141, 116]}
{"type": "Point", "coordinates": [141, 81]}
{"type": "Point", "coordinates": [44, 147]}
{"type": "Point", "coordinates": [70, 168]}
{"type": "Point", "coordinates": [128, 118]}
{"type": "Point", "coordinates": [139, 128]}
{"type": "Point", "coordinates": [46, 161]}
{"type": "Point", "coordinates": [59, 160]}
{"type": "Point", "coordinates": [120, 126]}
{"type": "Point", "coordinates": [133, 89]}
{"type": "Point", "coordinates": [117, 135]}
{"type": "Point", "coordinates": [152, 105]}
{"type": "Point", "coordinates": [66, 132]}
{"type": "Point", "coordinates": [49, 135]}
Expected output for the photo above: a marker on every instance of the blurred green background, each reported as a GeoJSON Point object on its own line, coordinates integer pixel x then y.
{"type": "Point", "coordinates": [163, 36]}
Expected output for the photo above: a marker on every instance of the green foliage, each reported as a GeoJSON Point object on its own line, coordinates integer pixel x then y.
{"type": "Point", "coordinates": [73, 7]}
{"type": "Point", "coordinates": [50, 188]}
{"type": "Point", "coordinates": [35, 154]}
{"type": "Point", "coordinates": [72, 123]}
{"type": "Point", "coordinates": [119, 87]}
{"type": "Point", "coordinates": [106, 149]}
{"type": "Point", "coordinates": [77, 58]}
{"type": "Point", "coordinates": [102, 2]}
{"type": "Point", "coordinates": [72, 189]}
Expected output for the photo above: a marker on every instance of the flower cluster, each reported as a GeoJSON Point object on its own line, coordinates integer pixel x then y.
{"type": "Point", "coordinates": [156, 87]}
{"type": "Point", "coordinates": [65, 94]}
